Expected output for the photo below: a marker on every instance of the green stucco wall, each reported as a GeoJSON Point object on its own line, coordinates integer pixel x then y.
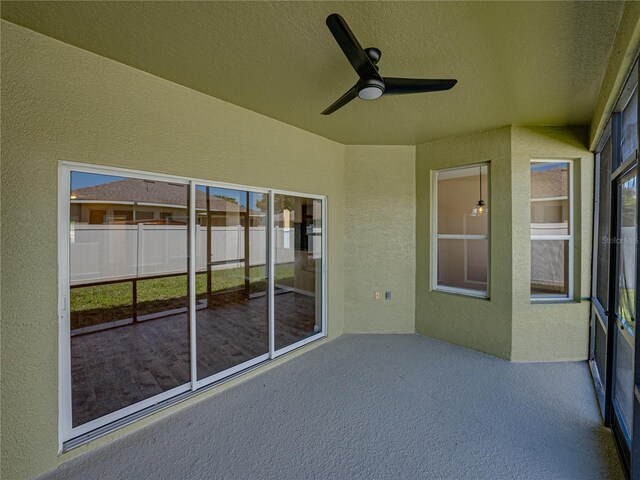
{"type": "Point", "coordinates": [508, 325]}
{"type": "Point", "coordinates": [63, 103]}
{"type": "Point", "coordinates": [475, 323]}
{"type": "Point", "coordinates": [560, 331]}
{"type": "Point", "coordinates": [380, 230]}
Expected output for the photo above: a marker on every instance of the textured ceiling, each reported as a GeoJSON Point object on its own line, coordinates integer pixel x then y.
{"type": "Point", "coordinates": [516, 62]}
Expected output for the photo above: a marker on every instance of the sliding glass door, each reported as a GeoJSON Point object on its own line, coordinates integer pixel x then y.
{"type": "Point", "coordinates": [298, 264]}
{"type": "Point", "coordinates": [600, 282]}
{"type": "Point", "coordinates": [614, 358]}
{"type": "Point", "coordinates": [232, 322]}
{"type": "Point", "coordinates": [624, 307]}
{"type": "Point", "coordinates": [128, 322]}
{"type": "Point", "coordinates": [171, 284]}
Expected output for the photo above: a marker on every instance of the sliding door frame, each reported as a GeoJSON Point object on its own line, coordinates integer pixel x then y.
{"type": "Point", "coordinates": [599, 312]}
{"type": "Point", "coordinates": [272, 249]}
{"type": "Point", "coordinates": [216, 377]}
{"type": "Point", "coordinates": [68, 436]}
{"type": "Point", "coordinates": [65, 421]}
{"type": "Point", "coordinates": [622, 436]}
{"type": "Point", "coordinates": [629, 450]}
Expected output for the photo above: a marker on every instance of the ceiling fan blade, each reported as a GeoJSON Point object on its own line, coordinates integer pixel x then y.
{"type": "Point", "coordinates": [351, 47]}
{"type": "Point", "coordinates": [342, 101]}
{"type": "Point", "coordinates": [400, 86]}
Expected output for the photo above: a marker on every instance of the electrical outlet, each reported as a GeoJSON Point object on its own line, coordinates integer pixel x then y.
{"type": "Point", "coordinates": [376, 295]}
{"type": "Point", "coordinates": [387, 295]}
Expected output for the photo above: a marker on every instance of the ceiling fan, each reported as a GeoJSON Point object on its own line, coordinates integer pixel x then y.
{"type": "Point", "coordinates": [371, 84]}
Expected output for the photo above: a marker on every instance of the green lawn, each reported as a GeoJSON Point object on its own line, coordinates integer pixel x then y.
{"type": "Point", "coordinates": [105, 303]}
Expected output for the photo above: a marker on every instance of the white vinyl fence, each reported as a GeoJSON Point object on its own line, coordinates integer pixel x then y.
{"type": "Point", "coordinates": [114, 252]}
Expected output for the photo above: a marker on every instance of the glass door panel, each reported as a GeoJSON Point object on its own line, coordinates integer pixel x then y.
{"type": "Point", "coordinates": [232, 325]}
{"type": "Point", "coordinates": [625, 302]}
{"type": "Point", "coordinates": [129, 323]}
{"type": "Point", "coordinates": [139, 326]}
{"type": "Point", "coordinates": [598, 355]}
{"type": "Point", "coordinates": [298, 247]}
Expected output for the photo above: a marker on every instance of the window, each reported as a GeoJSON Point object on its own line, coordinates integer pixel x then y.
{"type": "Point", "coordinates": [461, 230]}
{"type": "Point", "coordinates": [174, 296]}
{"type": "Point", "coordinates": [551, 229]}
{"type": "Point", "coordinates": [122, 216]}
{"type": "Point", "coordinates": [142, 215]}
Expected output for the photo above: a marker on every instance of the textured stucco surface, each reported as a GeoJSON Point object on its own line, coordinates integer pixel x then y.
{"type": "Point", "coordinates": [60, 102]}
{"type": "Point", "coordinates": [508, 324]}
{"type": "Point", "coordinates": [623, 53]}
{"type": "Point", "coordinates": [380, 232]}
{"type": "Point", "coordinates": [516, 62]}
{"type": "Point", "coordinates": [554, 331]}
{"type": "Point", "coordinates": [476, 323]}
{"type": "Point", "coordinates": [379, 407]}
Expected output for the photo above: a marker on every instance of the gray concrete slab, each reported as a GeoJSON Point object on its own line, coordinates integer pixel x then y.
{"type": "Point", "coordinates": [377, 407]}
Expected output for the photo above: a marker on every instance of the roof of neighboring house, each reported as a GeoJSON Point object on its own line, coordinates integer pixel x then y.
{"type": "Point", "coordinates": [153, 192]}
{"type": "Point", "coordinates": [549, 183]}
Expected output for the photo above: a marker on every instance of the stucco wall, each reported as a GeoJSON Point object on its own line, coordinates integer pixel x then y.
{"type": "Point", "coordinates": [623, 53]}
{"type": "Point", "coordinates": [60, 102]}
{"type": "Point", "coordinates": [550, 331]}
{"type": "Point", "coordinates": [508, 325]}
{"type": "Point", "coordinates": [380, 232]}
{"type": "Point", "coordinates": [475, 323]}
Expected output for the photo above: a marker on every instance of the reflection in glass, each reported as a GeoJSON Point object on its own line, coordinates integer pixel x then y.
{"type": "Point", "coordinates": [604, 215]}
{"type": "Point", "coordinates": [458, 194]}
{"type": "Point", "coordinates": [549, 267]}
{"type": "Point", "coordinates": [549, 198]}
{"type": "Point", "coordinates": [231, 278]}
{"type": "Point", "coordinates": [463, 263]}
{"type": "Point", "coordinates": [600, 348]}
{"type": "Point", "coordinates": [298, 268]}
{"type": "Point", "coordinates": [128, 279]}
{"type": "Point", "coordinates": [550, 228]}
{"type": "Point", "coordinates": [623, 384]}
{"type": "Point", "coordinates": [629, 142]}
{"type": "Point", "coordinates": [627, 252]}
{"type": "Point", "coordinates": [462, 235]}
{"type": "Point", "coordinates": [626, 288]}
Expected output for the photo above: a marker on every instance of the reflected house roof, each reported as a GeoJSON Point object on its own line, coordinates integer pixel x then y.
{"type": "Point", "coordinates": [150, 192]}
{"type": "Point", "coordinates": [552, 183]}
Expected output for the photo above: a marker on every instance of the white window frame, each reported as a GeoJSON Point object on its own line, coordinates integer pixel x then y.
{"type": "Point", "coordinates": [569, 236]}
{"type": "Point", "coordinates": [437, 236]}
{"type": "Point", "coordinates": [70, 437]}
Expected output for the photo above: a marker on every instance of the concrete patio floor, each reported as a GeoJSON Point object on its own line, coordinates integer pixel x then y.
{"type": "Point", "coordinates": [377, 407]}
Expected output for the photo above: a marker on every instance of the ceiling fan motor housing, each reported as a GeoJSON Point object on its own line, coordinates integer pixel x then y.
{"type": "Point", "coordinates": [370, 89]}
{"type": "Point", "coordinates": [374, 54]}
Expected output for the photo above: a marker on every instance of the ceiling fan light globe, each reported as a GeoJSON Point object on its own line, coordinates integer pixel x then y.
{"type": "Point", "coordinates": [370, 92]}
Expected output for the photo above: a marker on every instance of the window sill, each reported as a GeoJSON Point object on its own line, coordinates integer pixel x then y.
{"type": "Point", "coordinates": [553, 301]}
{"type": "Point", "coordinates": [461, 292]}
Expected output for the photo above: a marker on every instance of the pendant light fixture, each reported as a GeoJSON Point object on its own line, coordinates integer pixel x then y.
{"type": "Point", "coordinates": [480, 209]}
